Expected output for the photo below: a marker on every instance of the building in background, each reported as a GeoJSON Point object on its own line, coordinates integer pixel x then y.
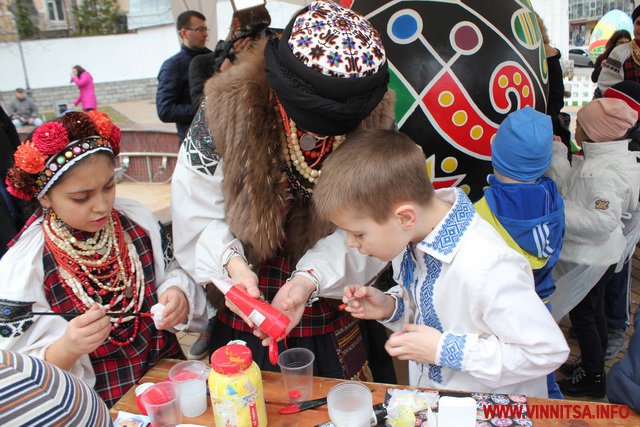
{"type": "Point", "coordinates": [585, 14]}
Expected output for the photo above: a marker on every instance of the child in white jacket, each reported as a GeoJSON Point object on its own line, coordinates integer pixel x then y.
{"type": "Point", "coordinates": [599, 191]}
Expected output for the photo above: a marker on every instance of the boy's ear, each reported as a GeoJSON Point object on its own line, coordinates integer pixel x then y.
{"type": "Point", "coordinates": [407, 215]}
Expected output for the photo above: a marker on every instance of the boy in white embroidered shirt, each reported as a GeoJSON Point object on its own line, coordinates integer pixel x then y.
{"type": "Point", "coordinates": [458, 309]}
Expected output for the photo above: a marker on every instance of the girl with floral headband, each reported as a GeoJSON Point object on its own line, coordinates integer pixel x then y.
{"type": "Point", "coordinates": [87, 253]}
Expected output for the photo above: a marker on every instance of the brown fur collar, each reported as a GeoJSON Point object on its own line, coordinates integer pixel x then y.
{"type": "Point", "coordinates": [246, 129]}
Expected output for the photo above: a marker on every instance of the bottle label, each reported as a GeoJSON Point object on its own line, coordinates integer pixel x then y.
{"type": "Point", "coordinates": [256, 317]}
{"type": "Point", "coordinates": [253, 411]}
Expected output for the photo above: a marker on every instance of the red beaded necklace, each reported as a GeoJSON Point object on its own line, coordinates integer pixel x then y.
{"type": "Point", "coordinates": [104, 267]}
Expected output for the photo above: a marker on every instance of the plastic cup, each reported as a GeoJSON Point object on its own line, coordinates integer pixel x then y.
{"type": "Point", "coordinates": [350, 404]}
{"type": "Point", "coordinates": [138, 391]}
{"type": "Point", "coordinates": [296, 365]}
{"type": "Point", "coordinates": [162, 403]}
{"type": "Point", "coordinates": [191, 377]}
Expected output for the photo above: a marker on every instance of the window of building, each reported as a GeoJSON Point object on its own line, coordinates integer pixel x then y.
{"type": "Point", "coordinates": [55, 8]}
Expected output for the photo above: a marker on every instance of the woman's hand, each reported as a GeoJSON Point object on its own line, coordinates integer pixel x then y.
{"type": "Point", "coordinates": [176, 308]}
{"type": "Point", "coordinates": [291, 300]}
{"type": "Point", "coordinates": [242, 275]}
{"type": "Point", "coordinates": [366, 302]}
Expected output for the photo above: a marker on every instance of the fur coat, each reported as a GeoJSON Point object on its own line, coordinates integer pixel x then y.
{"type": "Point", "coordinates": [260, 207]}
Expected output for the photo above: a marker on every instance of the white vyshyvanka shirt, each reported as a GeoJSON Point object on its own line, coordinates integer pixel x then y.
{"type": "Point", "coordinates": [22, 280]}
{"type": "Point", "coordinates": [463, 280]}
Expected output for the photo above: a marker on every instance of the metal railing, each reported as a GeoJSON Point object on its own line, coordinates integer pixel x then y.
{"type": "Point", "coordinates": [125, 163]}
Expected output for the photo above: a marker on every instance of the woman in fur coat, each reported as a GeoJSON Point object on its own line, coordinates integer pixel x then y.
{"type": "Point", "coordinates": [241, 189]}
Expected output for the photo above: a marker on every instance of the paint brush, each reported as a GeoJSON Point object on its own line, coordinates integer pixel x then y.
{"type": "Point", "coordinates": [73, 315]}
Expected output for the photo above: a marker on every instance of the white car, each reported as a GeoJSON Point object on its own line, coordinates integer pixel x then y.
{"type": "Point", "coordinates": [580, 57]}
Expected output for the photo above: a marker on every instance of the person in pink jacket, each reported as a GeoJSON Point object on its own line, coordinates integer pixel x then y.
{"type": "Point", "coordinates": [84, 81]}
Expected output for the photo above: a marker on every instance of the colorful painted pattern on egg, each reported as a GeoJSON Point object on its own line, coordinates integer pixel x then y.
{"type": "Point", "coordinates": [458, 68]}
{"type": "Point", "coordinates": [607, 25]}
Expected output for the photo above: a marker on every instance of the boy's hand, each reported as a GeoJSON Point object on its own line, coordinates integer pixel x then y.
{"type": "Point", "coordinates": [87, 332]}
{"type": "Point", "coordinates": [176, 308]}
{"type": "Point", "coordinates": [418, 343]}
{"type": "Point", "coordinates": [366, 302]}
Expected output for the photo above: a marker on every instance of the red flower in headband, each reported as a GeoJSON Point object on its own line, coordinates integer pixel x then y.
{"type": "Point", "coordinates": [78, 125]}
{"type": "Point", "coordinates": [28, 158]}
{"type": "Point", "coordinates": [114, 139]}
{"type": "Point", "coordinates": [20, 184]}
{"type": "Point", "coordinates": [50, 138]}
{"type": "Point", "coordinates": [102, 122]}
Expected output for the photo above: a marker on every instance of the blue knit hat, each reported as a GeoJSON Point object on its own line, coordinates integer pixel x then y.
{"type": "Point", "coordinates": [521, 149]}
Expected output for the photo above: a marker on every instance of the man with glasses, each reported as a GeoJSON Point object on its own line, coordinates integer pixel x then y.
{"type": "Point", "coordinates": [173, 101]}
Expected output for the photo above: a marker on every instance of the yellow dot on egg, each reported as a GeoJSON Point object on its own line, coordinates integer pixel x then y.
{"type": "Point", "coordinates": [503, 81]}
{"type": "Point", "coordinates": [465, 188]}
{"type": "Point", "coordinates": [446, 98]}
{"type": "Point", "coordinates": [460, 118]}
{"type": "Point", "coordinates": [476, 132]}
{"type": "Point", "coordinates": [525, 91]}
{"type": "Point", "coordinates": [517, 78]}
{"type": "Point", "coordinates": [449, 164]}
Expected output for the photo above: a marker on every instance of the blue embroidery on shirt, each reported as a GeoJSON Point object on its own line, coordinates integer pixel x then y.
{"type": "Point", "coordinates": [399, 310]}
{"type": "Point", "coordinates": [457, 221]}
{"type": "Point", "coordinates": [453, 351]}
{"type": "Point", "coordinates": [428, 313]}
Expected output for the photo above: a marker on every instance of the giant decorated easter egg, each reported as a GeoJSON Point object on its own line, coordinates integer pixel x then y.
{"type": "Point", "coordinates": [458, 68]}
{"type": "Point", "coordinates": [607, 25]}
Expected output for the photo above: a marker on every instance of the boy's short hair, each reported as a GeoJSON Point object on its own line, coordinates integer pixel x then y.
{"type": "Point", "coordinates": [20, 90]}
{"type": "Point", "coordinates": [373, 172]}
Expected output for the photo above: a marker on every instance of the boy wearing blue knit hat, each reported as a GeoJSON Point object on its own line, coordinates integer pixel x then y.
{"type": "Point", "coordinates": [523, 205]}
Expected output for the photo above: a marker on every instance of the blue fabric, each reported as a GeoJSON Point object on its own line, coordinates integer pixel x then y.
{"type": "Point", "coordinates": [533, 215]}
{"type": "Point", "coordinates": [623, 381]}
{"type": "Point", "coordinates": [553, 389]}
{"type": "Point", "coordinates": [173, 98]}
{"type": "Point", "coordinates": [616, 298]}
{"type": "Point", "coordinates": [521, 149]}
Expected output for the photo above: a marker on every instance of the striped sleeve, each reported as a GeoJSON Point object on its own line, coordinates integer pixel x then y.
{"type": "Point", "coordinates": [37, 393]}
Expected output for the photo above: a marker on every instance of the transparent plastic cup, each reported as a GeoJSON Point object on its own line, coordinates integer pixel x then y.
{"type": "Point", "coordinates": [162, 403]}
{"type": "Point", "coordinates": [296, 365]}
{"type": "Point", "coordinates": [350, 405]}
{"type": "Point", "coordinates": [191, 377]}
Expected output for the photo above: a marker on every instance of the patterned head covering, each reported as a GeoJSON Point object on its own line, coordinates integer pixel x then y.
{"type": "Point", "coordinates": [336, 41]}
{"type": "Point", "coordinates": [55, 147]}
{"type": "Point", "coordinates": [328, 70]}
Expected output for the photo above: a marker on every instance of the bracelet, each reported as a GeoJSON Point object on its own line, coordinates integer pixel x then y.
{"type": "Point", "coordinates": [311, 275]}
{"type": "Point", "coordinates": [233, 252]}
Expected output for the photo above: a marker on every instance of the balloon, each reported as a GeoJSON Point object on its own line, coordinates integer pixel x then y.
{"type": "Point", "coordinates": [607, 25]}
{"type": "Point", "coordinates": [458, 68]}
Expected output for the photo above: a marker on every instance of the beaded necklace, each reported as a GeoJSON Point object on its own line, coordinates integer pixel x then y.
{"type": "Point", "coordinates": [635, 52]}
{"type": "Point", "coordinates": [298, 157]}
{"type": "Point", "coordinates": [104, 267]}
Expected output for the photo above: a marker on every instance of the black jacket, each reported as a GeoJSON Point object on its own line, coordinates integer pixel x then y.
{"type": "Point", "coordinates": [173, 101]}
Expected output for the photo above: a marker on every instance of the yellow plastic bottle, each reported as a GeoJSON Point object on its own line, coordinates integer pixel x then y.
{"type": "Point", "coordinates": [235, 384]}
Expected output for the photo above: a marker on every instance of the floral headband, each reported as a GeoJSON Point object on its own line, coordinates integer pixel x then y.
{"type": "Point", "coordinates": [55, 147]}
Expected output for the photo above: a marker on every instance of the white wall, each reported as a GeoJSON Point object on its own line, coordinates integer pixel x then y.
{"type": "Point", "coordinates": [108, 58]}
{"type": "Point", "coordinates": [555, 14]}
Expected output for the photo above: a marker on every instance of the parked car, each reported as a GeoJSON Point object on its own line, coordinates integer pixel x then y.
{"type": "Point", "coordinates": [580, 57]}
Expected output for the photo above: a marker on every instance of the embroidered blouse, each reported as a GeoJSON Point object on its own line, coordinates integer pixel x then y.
{"type": "Point", "coordinates": [463, 280]}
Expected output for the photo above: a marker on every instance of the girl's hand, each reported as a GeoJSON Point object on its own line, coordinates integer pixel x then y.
{"type": "Point", "coordinates": [87, 332]}
{"type": "Point", "coordinates": [366, 302]}
{"type": "Point", "coordinates": [418, 343]}
{"type": "Point", "coordinates": [176, 308]}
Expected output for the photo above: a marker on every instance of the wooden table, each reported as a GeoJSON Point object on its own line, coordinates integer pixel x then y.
{"type": "Point", "coordinates": [277, 398]}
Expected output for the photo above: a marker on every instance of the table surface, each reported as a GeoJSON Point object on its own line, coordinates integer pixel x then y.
{"type": "Point", "coordinates": [276, 397]}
